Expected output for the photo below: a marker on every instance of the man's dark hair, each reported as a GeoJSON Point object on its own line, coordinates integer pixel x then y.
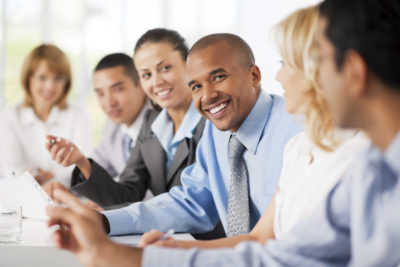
{"type": "Point", "coordinates": [232, 40]}
{"type": "Point", "coordinates": [119, 59]}
{"type": "Point", "coordinates": [369, 27]}
{"type": "Point", "coordinates": [160, 35]}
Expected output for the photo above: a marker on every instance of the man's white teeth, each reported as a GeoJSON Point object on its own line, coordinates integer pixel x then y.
{"type": "Point", "coordinates": [163, 93]}
{"type": "Point", "coordinates": [218, 108]}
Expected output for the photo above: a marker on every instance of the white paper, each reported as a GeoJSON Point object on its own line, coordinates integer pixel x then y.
{"type": "Point", "coordinates": [24, 191]}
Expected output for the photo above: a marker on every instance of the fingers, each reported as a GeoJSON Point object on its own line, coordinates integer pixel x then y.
{"type": "Point", "coordinates": [94, 206]}
{"type": "Point", "coordinates": [64, 196]}
{"type": "Point", "coordinates": [65, 162]}
{"type": "Point", "coordinates": [64, 217]}
{"type": "Point", "coordinates": [170, 242]}
{"type": "Point", "coordinates": [63, 238]}
{"type": "Point", "coordinates": [54, 146]}
{"type": "Point", "coordinates": [50, 187]}
{"type": "Point", "coordinates": [59, 215]}
{"type": "Point", "coordinates": [150, 238]}
{"type": "Point", "coordinates": [51, 141]}
{"type": "Point", "coordinates": [42, 176]}
{"type": "Point", "coordinates": [60, 150]}
{"type": "Point", "coordinates": [50, 137]}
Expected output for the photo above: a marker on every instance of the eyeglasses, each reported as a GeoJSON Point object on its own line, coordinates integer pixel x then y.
{"type": "Point", "coordinates": [44, 78]}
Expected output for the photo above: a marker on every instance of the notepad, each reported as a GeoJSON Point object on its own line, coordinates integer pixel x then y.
{"type": "Point", "coordinates": [23, 190]}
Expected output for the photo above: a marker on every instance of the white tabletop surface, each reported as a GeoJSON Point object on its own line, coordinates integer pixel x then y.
{"type": "Point", "coordinates": [36, 248]}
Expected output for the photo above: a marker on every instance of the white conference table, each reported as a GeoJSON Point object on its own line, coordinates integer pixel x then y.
{"type": "Point", "coordinates": [36, 248]}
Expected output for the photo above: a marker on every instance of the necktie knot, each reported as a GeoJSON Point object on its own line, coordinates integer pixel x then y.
{"type": "Point", "coordinates": [236, 148]}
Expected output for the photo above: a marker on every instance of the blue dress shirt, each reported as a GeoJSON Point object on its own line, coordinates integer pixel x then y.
{"type": "Point", "coordinates": [163, 128]}
{"type": "Point", "coordinates": [358, 225]}
{"type": "Point", "coordinates": [202, 200]}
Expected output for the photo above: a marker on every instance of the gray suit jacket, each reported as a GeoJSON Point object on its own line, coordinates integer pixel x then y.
{"type": "Point", "coordinates": [144, 170]}
{"type": "Point", "coordinates": [109, 154]}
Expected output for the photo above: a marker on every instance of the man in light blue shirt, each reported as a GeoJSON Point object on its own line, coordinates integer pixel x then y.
{"type": "Point", "coordinates": [229, 94]}
{"type": "Point", "coordinates": [358, 223]}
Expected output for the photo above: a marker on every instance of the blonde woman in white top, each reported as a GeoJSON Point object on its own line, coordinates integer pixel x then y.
{"type": "Point", "coordinates": [46, 80]}
{"type": "Point", "coordinates": [313, 160]}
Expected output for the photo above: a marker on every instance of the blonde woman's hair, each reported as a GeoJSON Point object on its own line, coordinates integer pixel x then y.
{"type": "Point", "coordinates": [295, 39]}
{"type": "Point", "coordinates": [56, 61]}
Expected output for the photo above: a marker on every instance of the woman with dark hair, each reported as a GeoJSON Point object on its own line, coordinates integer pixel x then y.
{"type": "Point", "coordinates": [167, 140]}
{"type": "Point", "coordinates": [168, 137]}
{"type": "Point", "coordinates": [46, 80]}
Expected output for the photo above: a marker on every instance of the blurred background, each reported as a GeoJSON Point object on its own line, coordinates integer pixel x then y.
{"type": "Point", "coordinates": [89, 29]}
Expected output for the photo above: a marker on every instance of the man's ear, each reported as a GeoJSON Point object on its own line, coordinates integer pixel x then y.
{"type": "Point", "coordinates": [255, 75]}
{"type": "Point", "coordinates": [355, 72]}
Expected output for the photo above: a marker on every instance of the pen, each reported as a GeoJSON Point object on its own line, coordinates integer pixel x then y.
{"type": "Point", "coordinates": [167, 235]}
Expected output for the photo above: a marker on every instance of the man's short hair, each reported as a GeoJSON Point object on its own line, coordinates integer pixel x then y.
{"type": "Point", "coordinates": [232, 40]}
{"type": "Point", "coordinates": [370, 27]}
{"type": "Point", "coordinates": [119, 59]}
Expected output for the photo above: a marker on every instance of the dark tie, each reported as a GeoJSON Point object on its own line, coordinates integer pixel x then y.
{"type": "Point", "coordinates": [126, 146]}
{"type": "Point", "coordinates": [238, 200]}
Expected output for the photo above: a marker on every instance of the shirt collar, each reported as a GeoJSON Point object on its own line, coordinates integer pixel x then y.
{"type": "Point", "coordinates": [163, 127]}
{"type": "Point", "coordinates": [251, 130]}
{"type": "Point", "coordinates": [28, 116]}
{"type": "Point", "coordinates": [189, 124]}
{"type": "Point", "coordinates": [392, 155]}
{"type": "Point", "coordinates": [133, 130]}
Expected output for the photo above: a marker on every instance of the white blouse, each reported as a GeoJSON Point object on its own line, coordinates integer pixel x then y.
{"type": "Point", "coordinates": [308, 173]}
{"type": "Point", "coordinates": [23, 139]}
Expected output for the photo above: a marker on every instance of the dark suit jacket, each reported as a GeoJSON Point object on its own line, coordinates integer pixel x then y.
{"type": "Point", "coordinates": [145, 169]}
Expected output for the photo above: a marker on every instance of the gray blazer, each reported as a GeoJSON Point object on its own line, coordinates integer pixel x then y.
{"type": "Point", "coordinates": [144, 170]}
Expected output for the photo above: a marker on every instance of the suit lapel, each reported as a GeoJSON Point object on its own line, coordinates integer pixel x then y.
{"type": "Point", "coordinates": [180, 157]}
{"type": "Point", "coordinates": [186, 152]}
{"type": "Point", "coordinates": [154, 157]}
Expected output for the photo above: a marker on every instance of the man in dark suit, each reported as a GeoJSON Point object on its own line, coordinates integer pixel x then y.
{"type": "Point", "coordinates": [122, 99]}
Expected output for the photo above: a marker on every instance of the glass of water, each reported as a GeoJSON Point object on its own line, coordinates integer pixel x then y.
{"type": "Point", "coordinates": [10, 223]}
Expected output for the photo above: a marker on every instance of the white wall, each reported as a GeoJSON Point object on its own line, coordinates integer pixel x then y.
{"type": "Point", "coordinates": [89, 29]}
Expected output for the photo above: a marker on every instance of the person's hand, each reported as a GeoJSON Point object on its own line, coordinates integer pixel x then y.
{"type": "Point", "coordinates": [42, 176]}
{"type": "Point", "coordinates": [93, 205]}
{"type": "Point", "coordinates": [81, 228]}
{"type": "Point", "coordinates": [67, 153]}
{"type": "Point", "coordinates": [150, 238]}
{"type": "Point", "coordinates": [49, 188]}
{"type": "Point", "coordinates": [153, 238]}
{"type": "Point", "coordinates": [63, 151]}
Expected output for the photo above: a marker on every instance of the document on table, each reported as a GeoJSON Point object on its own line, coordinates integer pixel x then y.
{"type": "Point", "coordinates": [24, 191]}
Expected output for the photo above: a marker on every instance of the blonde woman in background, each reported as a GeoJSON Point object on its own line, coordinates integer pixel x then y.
{"type": "Point", "coordinates": [314, 160]}
{"type": "Point", "coordinates": [46, 80]}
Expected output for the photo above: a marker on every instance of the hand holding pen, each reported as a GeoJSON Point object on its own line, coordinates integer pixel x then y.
{"type": "Point", "coordinates": [62, 150]}
{"type": "Point", "coordinates": [154, 237]}
{"type": "Point", "coordinates": [67, 153]}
